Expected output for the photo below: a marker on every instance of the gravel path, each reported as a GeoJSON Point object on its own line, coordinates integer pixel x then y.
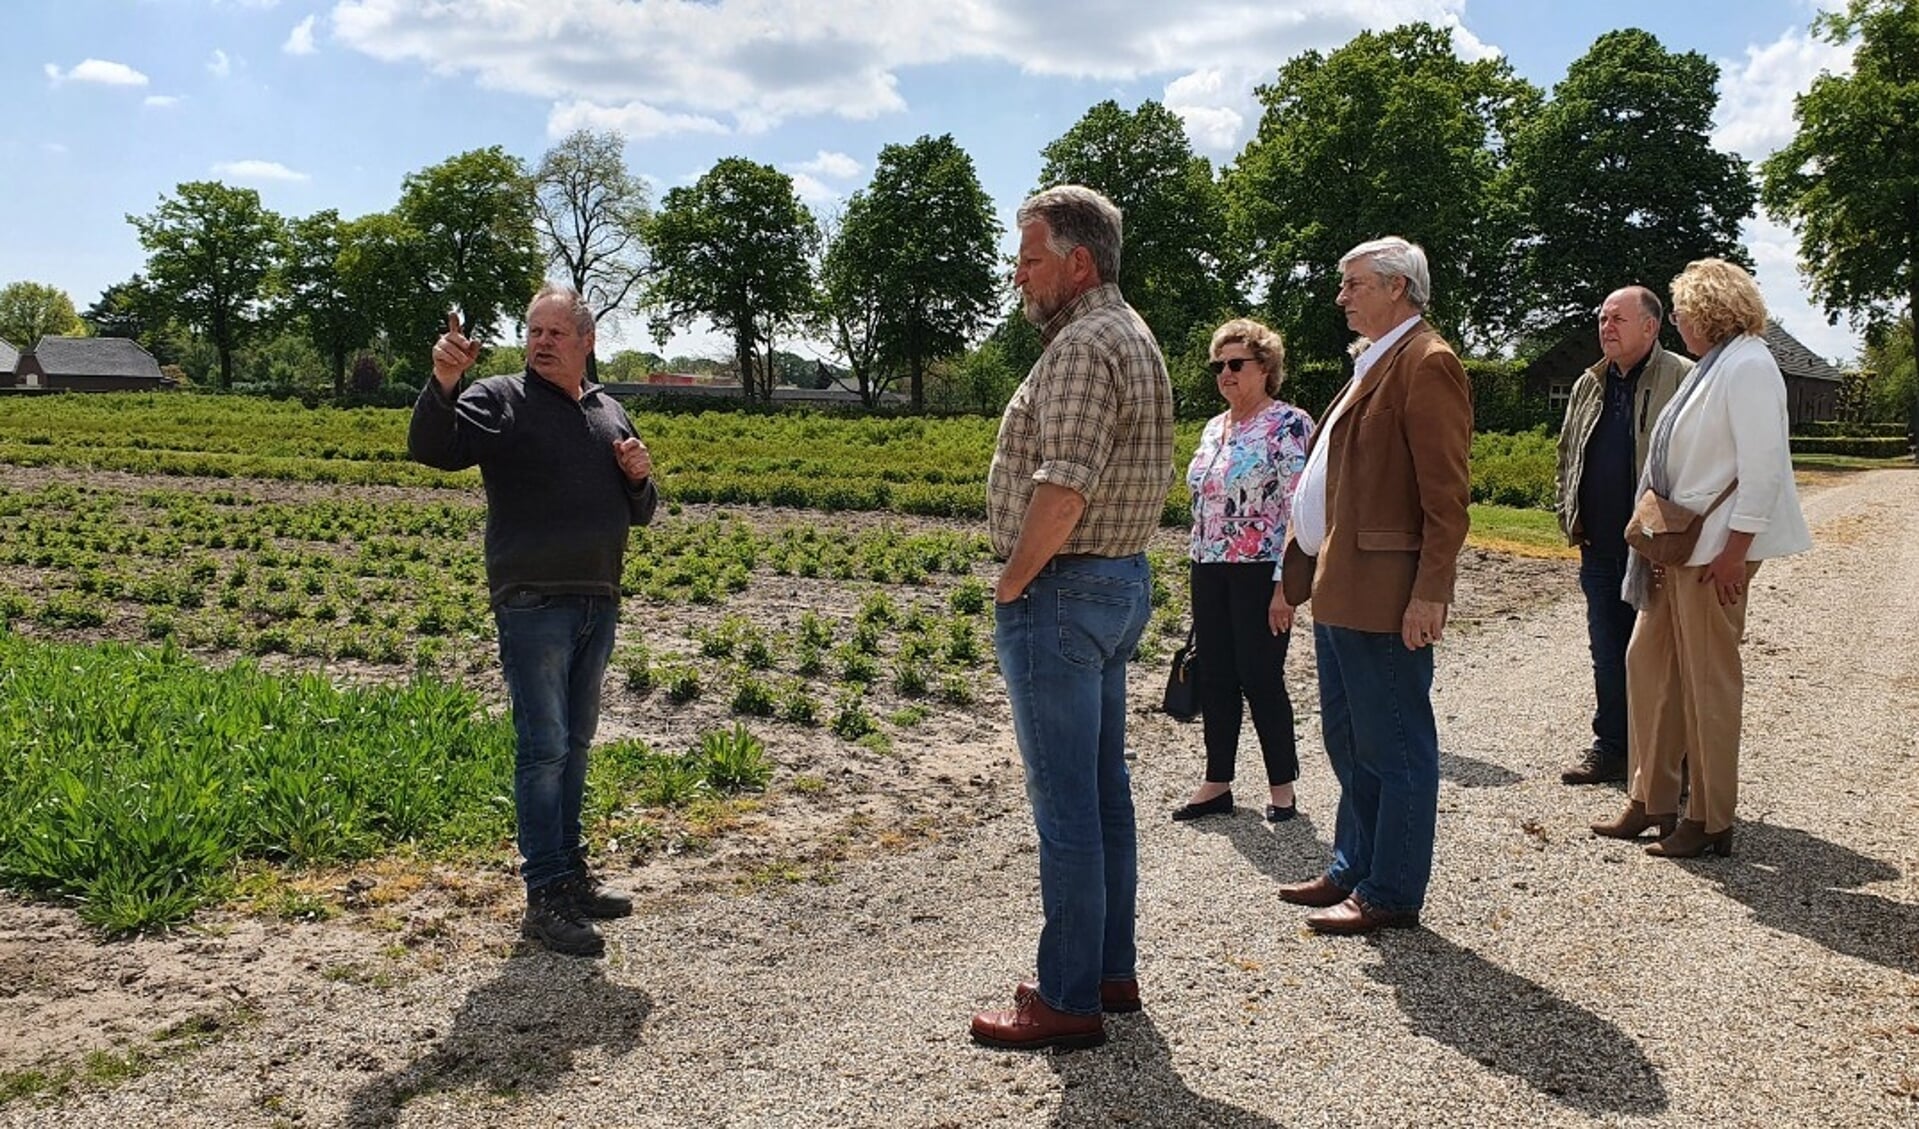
{"type": "Point", "coordinates": [1560, 979]}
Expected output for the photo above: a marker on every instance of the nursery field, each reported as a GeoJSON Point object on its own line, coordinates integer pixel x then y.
{"type": "Point", "coordinates": [247, 639]}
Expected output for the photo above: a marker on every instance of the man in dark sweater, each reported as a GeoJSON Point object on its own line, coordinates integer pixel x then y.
{"type": "Point", "coordinates": [1602, 449]}
{"type": "Point", "coordinates": [566, 477]}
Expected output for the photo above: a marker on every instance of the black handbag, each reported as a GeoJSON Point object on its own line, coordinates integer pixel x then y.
{"type": "Point", "coordinates": [1181, 701]}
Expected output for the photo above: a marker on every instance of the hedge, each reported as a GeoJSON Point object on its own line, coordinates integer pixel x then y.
{"type": "Point", "coordinates": [1861, 446]}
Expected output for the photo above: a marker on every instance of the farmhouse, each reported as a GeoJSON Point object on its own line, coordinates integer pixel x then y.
{"type": "Point", "coordinates": [1812, 383]}
{"type": "Point", "coordinates": [89, 364]}
{"type": "Point", "coordinates": [9, 361]}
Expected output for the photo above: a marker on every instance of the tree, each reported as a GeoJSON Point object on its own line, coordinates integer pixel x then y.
{"type": "Point", "coordinates": [1848, 182]}
{"type": "Point", "coordinates": [1391, 134]}
{"type": "Point", "coordinates": [917, 248]}
{"type": "Point", "coordinates": [209, 251]}
{"type": "Point", "coordinates": [317, 294]}
{"type": "Point", "coordinates": [30, 311]}
{"type": "Point", "coordinates": [1620, 182]}
{"type": "Point", "coordinates": [478, 249]}
{"type": "Point", "coordinates": [1176, 268]}
{"type": "Point", "coordinates": [734, 248]}
{"type": "Point", "coordinates": [130, 309]}
{"type": "Point", "coordinates": [592, 217]}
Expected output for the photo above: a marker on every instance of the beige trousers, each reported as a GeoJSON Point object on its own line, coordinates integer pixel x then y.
{"type": "Point", "coordinates": [1685, 688]}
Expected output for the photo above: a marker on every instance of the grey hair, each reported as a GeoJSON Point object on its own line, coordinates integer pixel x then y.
{"type": "Point", "coordinates": [1077, 216]}
{"type": "Point", "coordinates": [1393, 257]}
{"type": "Point", "coordinates": [583, 319]}
{"type": "Point", "coordinates": [1649, 303]}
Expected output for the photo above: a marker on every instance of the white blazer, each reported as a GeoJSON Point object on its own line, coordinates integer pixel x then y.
{"type": "Point", "coordinates": [1734, 426]}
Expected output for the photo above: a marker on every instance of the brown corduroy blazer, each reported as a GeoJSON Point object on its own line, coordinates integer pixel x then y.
{"type": "Point", "coordinates": [1397, 488]}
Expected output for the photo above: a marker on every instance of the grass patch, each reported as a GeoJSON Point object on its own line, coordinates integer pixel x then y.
{"type": "Point", "coordinates": [1522, 532]}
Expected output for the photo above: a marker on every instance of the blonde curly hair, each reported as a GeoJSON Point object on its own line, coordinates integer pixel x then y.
{"type": "Point", "coordinates": [1719, 300]}
{"type": "Point", "coordinates": [1262, 342]}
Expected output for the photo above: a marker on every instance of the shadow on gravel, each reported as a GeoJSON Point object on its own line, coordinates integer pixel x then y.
{"type": "Point", "coordinates": [1469, 772]}
{"type": "Point", "coordinates": [1510, 1024]}
{"type": "Point", "coordinates": [1799, 883]}
{"type": "Point", "coordinates": [1283, 852]}
{"type": "Point", "coordinates": [516, 1034]}
{"type": "Point", "coordinates": [1131, 1081]}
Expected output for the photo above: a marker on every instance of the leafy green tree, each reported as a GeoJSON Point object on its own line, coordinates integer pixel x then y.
{"type": "Point", "coordinates": [478, 249]}
{"type": "Point", "coordinates": [917, 249]}
{"type": "Point", "coordinates": [381, 266]}
{"type": "Point", "coordinates": [1620, 182]}
{"type": "Point", "coordinates": [1391, 134]}
{"type": "Point", "coordinates": [317, 295]}
{"type": "Point", "coordinates": [1177, 267]}
{"type": "Point", "coordinates": [130, 309]}
{"type": "Point", "coordinates": [32, 310]}
{"type": "Point", "coordinates": [631, 366]}
{"type": "Point", "coordinates": [592, 216]}
{"type": "Point", "coordinates": [210, 249]}
{"type": "Point", "coordinates": [734, 248]}
{"type": "Point", "coordinates": [1848, 183]}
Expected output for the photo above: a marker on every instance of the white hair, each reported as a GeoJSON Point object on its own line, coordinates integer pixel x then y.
{"type": "Point", "coordinates": [1393, 257]}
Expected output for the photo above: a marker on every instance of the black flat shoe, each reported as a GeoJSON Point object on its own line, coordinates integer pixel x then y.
{"type": "Point", "coordinates": [1277, 814]}
{"type": "Point", "coordinates": [1221, 804]}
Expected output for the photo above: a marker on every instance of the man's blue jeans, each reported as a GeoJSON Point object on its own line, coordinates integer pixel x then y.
{"type": "Point", "coordinates": [553, 650]}
{"type": "Point", "coordinates": [1609, 622]}
{"type": "Point", "coordinates": [1376, 712]}
{"type": "Point", "coordinates": [1063, 648]}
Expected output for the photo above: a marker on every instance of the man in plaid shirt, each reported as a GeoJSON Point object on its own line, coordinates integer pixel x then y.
{"type": "Point", "coordinates": [1077, 487]}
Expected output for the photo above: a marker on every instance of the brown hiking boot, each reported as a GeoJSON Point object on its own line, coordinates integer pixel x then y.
{"type": "Point", "coordinates": [1597, 767]}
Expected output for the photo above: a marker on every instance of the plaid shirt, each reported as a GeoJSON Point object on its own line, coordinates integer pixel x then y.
{"type": "Point", "coordinates": [1096, 416]}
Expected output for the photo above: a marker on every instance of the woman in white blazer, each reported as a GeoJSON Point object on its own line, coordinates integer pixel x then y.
{"type": "Point", "coordinates": [1724, 432]}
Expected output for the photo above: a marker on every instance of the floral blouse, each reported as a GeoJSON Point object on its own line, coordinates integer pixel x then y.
{"type": "Point", "coordinates": [1242, 484]}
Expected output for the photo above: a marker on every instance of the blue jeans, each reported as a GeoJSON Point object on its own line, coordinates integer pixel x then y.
{"type": "Point", "coordinates": [553, 650]}
{"type": "Point", "coordinates": [1063, 648]}
{"type": "Point", "coordinates": [1376, 711]}
{"type": "Point", "coordinates": [1609, 622]}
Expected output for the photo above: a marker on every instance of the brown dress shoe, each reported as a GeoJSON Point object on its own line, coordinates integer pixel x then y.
{"type": "Point", "coordinates": [1354, 916]}
{"type": "Point", "coordinates": [1115, 996]}
{"type": "Point", "coordinates": [1690, 839]}
{"type": "Point", "coordinates": [1033, 1025]}
{"type": "Point", "coordinates": [1596, 767]}
{"type": "Point", "coordinates": [1319, 893]}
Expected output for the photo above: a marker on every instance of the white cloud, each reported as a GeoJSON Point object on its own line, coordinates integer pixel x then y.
{"type": "Point", "coordinates": [256, 172]}
{"type": "Point", "coordinates": [837, 166]}
{"type": "Point", "coordinates": [813, 192]}
{"type": "Point", "coordinates": [300, 39]}
{"type": "Point", "coordinates": [54, 148]}
{"type": "Point", "coordinates": [162, 101]}
{"type": "Point", "coordinates": [1755, 102]}
{"type": "Point", "coordinates": [99, 71]}
{"type": "Point", "coordinates": [219, 66]}
{"type": "Point", "coordinates": [748, 65]}
{"type": "Point", "coordinates": [1775, 251]}
{"type": "Point", "coordinates": [636, 120]}
{"type": "Point", "coordinates": [1215, 107]}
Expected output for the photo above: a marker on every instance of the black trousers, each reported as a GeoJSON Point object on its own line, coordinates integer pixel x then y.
{"type": "Point", "coordinates": [1241, 660]}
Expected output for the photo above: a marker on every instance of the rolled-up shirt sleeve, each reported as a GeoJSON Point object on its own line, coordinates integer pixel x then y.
{"type": "Point", "coordinates": [1076, 404]}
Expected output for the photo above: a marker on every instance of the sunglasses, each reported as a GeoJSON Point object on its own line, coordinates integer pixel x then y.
{"type": "Point", "coordinates": [1235, 364]}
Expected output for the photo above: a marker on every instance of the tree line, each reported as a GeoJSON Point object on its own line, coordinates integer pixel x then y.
{"type": "Point", "coordinates": [1533, 205]}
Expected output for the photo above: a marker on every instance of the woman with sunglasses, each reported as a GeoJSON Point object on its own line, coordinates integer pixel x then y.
{"type": "Point", "coordinates": [1241, 479]}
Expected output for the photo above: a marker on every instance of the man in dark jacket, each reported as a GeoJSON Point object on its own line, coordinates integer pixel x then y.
{"type": "Point", "coordinates": [1602, 449]}
{"type": "Point", "coordinates": [566, 478]}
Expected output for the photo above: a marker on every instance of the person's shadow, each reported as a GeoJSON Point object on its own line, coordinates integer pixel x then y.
{"type": "Point", "coordinates": [1507, 1023]}
{"type": "Point", "coordinates": [1131, 1081]}
{"type": "Point", "coordinates": [518, 1033]}
{"type": "Point", "coordinates": [1799, 883]}
{"type": "Point", "coordinates": [1283, 852]}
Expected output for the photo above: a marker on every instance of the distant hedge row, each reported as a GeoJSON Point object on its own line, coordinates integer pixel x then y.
{"type": "Point", "coordinates": [1860, 446]}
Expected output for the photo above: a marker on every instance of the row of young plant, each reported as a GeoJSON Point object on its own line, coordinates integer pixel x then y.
{"type": "Point", "coordinates": [138, 780]}
{"type": "Point", "coordinates": [916, 465]}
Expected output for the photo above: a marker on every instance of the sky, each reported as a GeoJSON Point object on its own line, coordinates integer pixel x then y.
{"type": "Point", "coordinates": [317, 105]}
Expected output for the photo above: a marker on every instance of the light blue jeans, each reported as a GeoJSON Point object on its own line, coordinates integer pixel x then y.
{"type": "Point", "coordinates": [553, 650]}
{"type": "Point", "coordinates": [1376, 714]}
{"type": "Point", "coordinates": [1063, 648]}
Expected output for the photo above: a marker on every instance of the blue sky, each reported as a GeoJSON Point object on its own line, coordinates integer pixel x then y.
{"type": "Point", "coordinates": [330, 105]}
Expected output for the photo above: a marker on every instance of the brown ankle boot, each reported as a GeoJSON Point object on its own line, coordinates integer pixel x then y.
{"type": "Point", "coordinates": [1690, 841]}
{"type": "Point", "coordinates": [1634, 822]}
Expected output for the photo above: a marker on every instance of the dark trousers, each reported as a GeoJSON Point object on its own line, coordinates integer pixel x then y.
{"type": "Point", "coordinates": [1609, 623]}
{"type": "Point", "coordinates": [1241, 659]}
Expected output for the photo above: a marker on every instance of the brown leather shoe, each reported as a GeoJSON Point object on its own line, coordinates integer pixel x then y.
{"type": "Point", "coordinates": [1319, 893]}
{"type": "Point", "coordinates": [1354, 916]}
{"type": "Point", "coordinates": [1690, 839]}
{"type": "Point", "coordinates": [1634, 822]}
{"type": "Point", "coordinates": [1033, 1025]}
{"type": "Point", "coordinates": [1596, 767]}
{"type": "Point", "coordinates": [1115, 996]}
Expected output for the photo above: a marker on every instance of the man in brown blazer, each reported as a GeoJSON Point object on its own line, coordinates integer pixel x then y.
{"type": "Point", "coordinates": [1378, 519]}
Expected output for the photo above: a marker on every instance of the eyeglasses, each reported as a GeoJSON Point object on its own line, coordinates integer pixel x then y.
{"type": "Point", "coordinates": [1235, 364]}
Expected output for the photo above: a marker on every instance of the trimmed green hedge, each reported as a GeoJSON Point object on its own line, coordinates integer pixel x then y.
{"type": "Point", "coordinates": [1843, 429]}
{"type": "Point", "coordinates": [1860, 446]}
